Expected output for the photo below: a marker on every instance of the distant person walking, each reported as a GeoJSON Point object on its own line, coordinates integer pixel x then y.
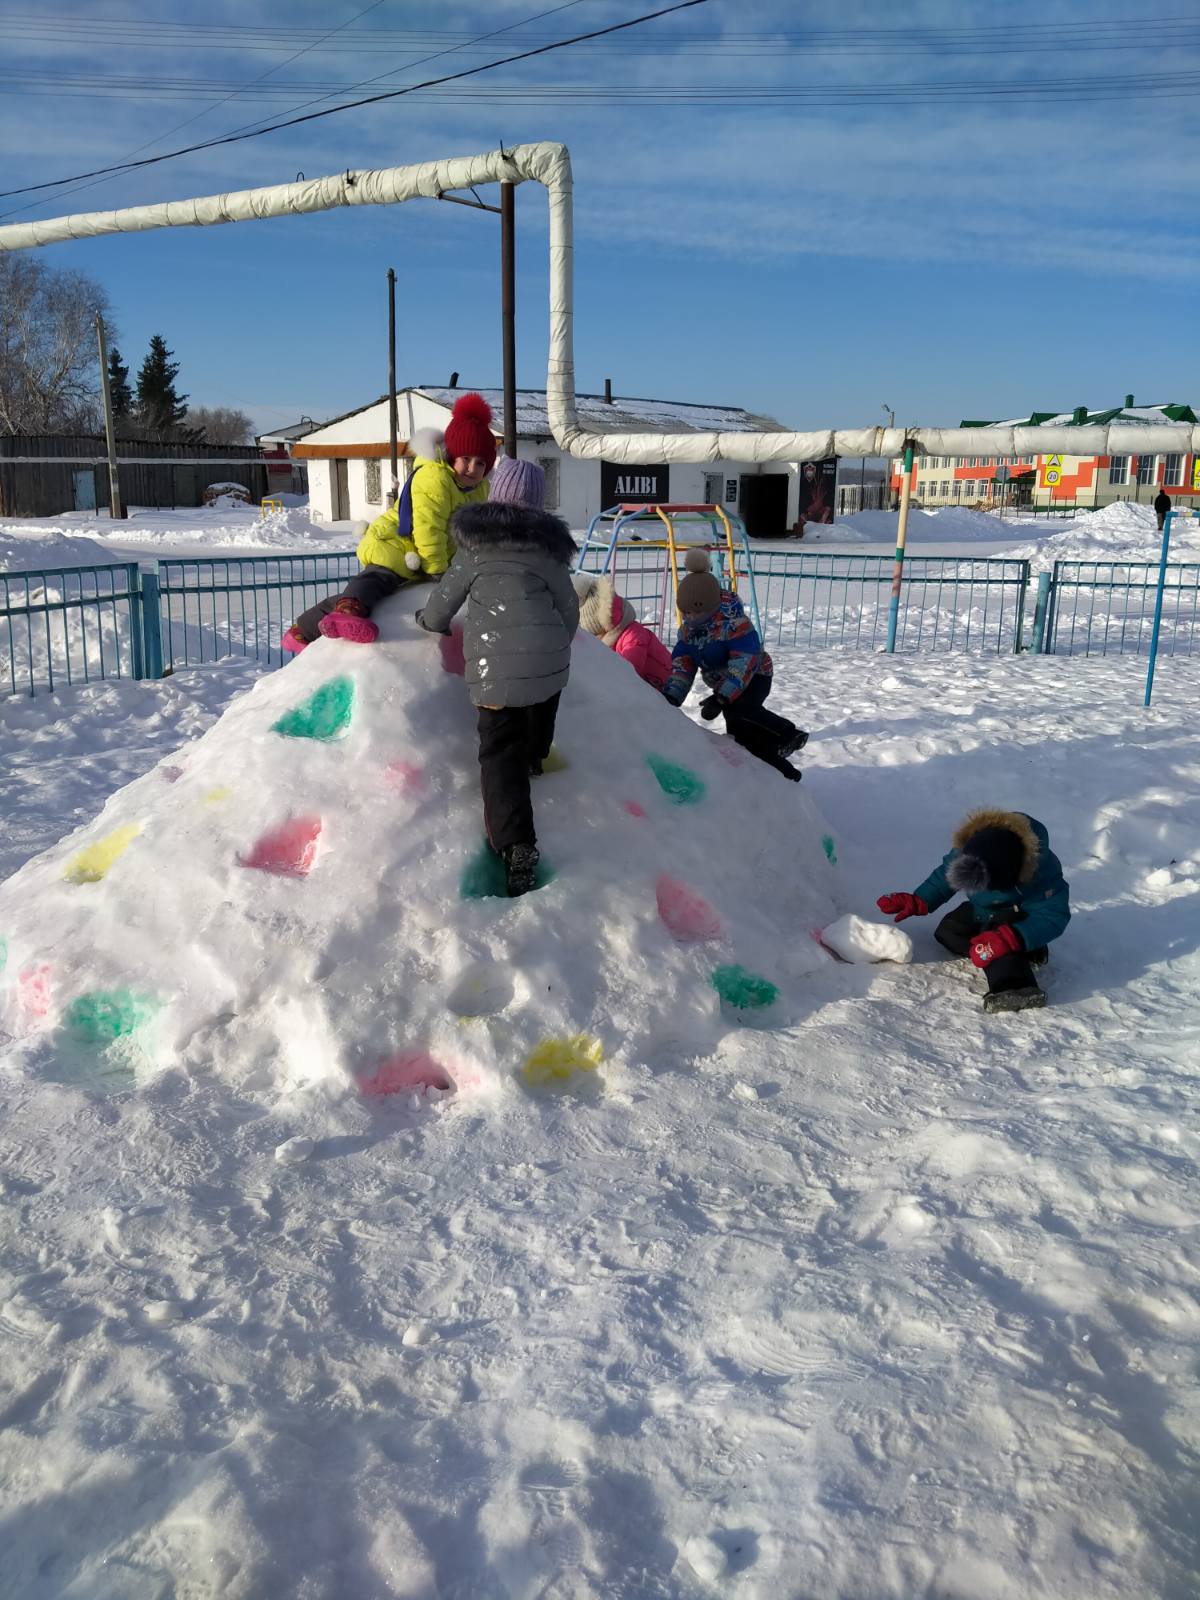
{"type": "Point", "coordinates": [1162, 504]}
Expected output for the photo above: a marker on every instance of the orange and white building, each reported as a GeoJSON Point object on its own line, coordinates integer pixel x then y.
{"type": "Point", "coordinates": [1059, 479]}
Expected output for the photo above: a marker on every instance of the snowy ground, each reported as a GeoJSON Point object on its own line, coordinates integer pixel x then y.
{"type": "Point", "coordinates": [887, 1299]}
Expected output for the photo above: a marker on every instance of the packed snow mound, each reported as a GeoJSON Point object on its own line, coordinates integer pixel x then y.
{"type": "Point", "coordinates": [943, 525]}
{"type": "Point", "coordinates": [861, 939]}
{"type": "Point", "coordinates": [29, 547]}
{"type": "Point", "coordinates": [302, 898]}
{"type": "Point", "coordinates": [1123, 531]}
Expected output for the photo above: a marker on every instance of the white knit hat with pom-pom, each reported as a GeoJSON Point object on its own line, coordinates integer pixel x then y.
{"type": "Point", "coordinates": [699, 593]}
{"type": "Point", "coordinates": [595, 602]}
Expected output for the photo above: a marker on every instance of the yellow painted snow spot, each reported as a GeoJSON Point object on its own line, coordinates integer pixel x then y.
{"type": "Point", "coordinates": [558, 1060]}
{"type": "Point", "coordinates": [90, 865]}
{"type": "Point", "coordinates": [215, 796]}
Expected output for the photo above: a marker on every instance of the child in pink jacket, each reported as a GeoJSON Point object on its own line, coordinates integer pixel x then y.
{"type": "Point", "coordinates": [604, 613]}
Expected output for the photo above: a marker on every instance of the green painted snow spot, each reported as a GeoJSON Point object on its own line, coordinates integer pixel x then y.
{"type": "Point", "coordinates": [105, 1015]}
{"type": "Point", "coordinates": [3, 954]}
{"type": "Point", "coordinates": [324, 715]}
{"type": "Point", "coordinates": [483, 876]}
{"type": "Point", "coordinates": [555, 761]}
{"type": "Point", "coordinates": [680, 785]}
{"type": "Point", "coordinates": [830, 851]}
{"type": "Point", "coordinates": [743, 990]}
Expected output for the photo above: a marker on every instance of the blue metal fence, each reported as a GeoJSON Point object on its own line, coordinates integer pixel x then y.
{"type": "Point", "coordinates": [70, 625]}
{"type": "Point", "coordinates": [77, 624]}
{"type": "Point", "coordinates": [240, 606]}
{"type": "Point", "coordinates": [1107, 608]}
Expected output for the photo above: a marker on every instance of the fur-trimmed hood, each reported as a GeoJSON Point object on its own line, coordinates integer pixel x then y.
{"type": "Point", "coordinates": [1015, 822]}
{"type": "Point", "coordinates": [497, 525]}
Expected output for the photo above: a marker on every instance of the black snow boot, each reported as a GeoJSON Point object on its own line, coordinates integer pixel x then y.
{"type": "Point", "coordinates": [790, 746]}
{"type": "Point", "coordinates": [520, 869]}
{"type": "Point", "coordinates": [1026, 999]}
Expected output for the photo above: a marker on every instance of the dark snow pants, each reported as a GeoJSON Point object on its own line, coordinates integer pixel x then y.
{"type": "Point", "coordinates": [758, 730]}
{"type": "Point", "coordinates": [1013, 971]}
{"type": "Point", "coordinates": [368, 587]}
{"type": "Point", "coordinates": [511, 739]}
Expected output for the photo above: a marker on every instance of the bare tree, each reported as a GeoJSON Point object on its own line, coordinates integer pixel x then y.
{"type": "Point", "coordinates": [48, 376]}
{"type": "Point", "coordinates": [218, 425]}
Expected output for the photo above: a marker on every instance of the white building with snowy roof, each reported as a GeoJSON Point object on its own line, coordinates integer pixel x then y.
{"type": "Point", "coordinates": [348, 458]}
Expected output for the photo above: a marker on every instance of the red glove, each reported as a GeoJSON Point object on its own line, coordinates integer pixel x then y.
{"type": "Point", "coordinates": [986, 947]}
{"type": "Point", "coordinates": [904, 905]}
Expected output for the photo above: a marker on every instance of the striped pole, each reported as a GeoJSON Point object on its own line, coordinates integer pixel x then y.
{"type": "Point", "coordinates": [1158, 603]}
{"type": "Point", "coordinates": [901, 535]}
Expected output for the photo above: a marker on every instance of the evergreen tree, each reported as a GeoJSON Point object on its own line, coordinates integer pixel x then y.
{"type": "Point", "coordinates": [119, 391]}
{"type": "Point", "coordinates": [160, 409]}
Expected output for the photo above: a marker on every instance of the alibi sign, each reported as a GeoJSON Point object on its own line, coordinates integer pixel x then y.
{"type": "Point", "coordinates": [624, 485]}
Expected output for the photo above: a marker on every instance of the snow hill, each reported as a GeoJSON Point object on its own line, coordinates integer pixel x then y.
{"type": "Point", "coordinates": [301, 898]}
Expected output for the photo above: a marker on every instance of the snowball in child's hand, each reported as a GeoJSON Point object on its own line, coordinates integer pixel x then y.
{"type": "Point", "coordinates": [856, 939]}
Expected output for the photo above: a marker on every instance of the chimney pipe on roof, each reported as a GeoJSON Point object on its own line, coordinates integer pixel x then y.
{"type": "Point", "coordinates": [608, 391]}
{"type": "Point", "coordinates": [1128, 401]}
{"type": "Point", "coordinates": [454, 380]}
{"type": "Point", "coordinates": [1079, 414]}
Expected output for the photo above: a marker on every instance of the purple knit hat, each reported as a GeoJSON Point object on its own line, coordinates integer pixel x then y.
{"type": "Point", "coordinates": [520, 483]}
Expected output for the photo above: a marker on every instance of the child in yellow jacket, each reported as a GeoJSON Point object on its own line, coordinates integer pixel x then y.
{"type": "Point", "coordinates": [411, 539]}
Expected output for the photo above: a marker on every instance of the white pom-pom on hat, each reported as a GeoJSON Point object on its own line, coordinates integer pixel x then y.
{"type": "Point", "coordinates": [697, 560]}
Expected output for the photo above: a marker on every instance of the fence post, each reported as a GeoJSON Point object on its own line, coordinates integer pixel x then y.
{"type": "Point", "coordinates": [1041, 606]}
{"type": "Point", "coordinates": [1019, 626]}
{"type": "Point", "coordinates": [1158, 604]}
{"type": "Point", "coordinates": [152, 624]}
{"type": "Point", "coordinates": [901, 536]}
{"type": "Point", "coordinates": [136, 625]}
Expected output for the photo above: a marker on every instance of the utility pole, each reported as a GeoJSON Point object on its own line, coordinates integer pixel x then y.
{"type": "Point", "coordinates": [114, 484]}
{"type": "Point", "coordinates": [393, 420]}
{"type": "Point", "coordinates": [508, 312]}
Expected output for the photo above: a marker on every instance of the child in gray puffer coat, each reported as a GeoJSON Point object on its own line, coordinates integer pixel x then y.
{"type": "Point", "coordinates": [512, 571]}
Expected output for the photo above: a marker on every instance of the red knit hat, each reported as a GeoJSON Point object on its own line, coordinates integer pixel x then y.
{"type": "Point", "coordinates": [469, 433]}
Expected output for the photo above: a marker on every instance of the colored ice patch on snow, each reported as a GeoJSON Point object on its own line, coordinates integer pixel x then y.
{"type": "Point", "coordinates": [451, 646]}
{"type": "Point", "coordinates": [743, 990]}
{"type": "Point", "coordinates": [405, 777]}
{"type": "Point", "coordinates": [411, 1069]}
{"type": "Point", "coordinates": [681, 786]}
{"type": "Point", "coordinates": [288, 851]}
{"type": "Point", "coordinates": [33, 991]}
{"type": "Point", "coordinates": [557, 1061]}
{"type": "Point", "coordinates": [483, 876]}
{"type": "Point", "coordinates": [3, 954]}
{"type": "Point", "coordinates": [105, 1015]}
{"type": "Point", "coordinates": [555, 761]}
{"type": "Point", "coordinates": [686, 915]}
{"type": "Point", "coordinates": [90, 865]}
{"type": "Point", "coordinates": [325, 715]}
{"type": "Point", "coordinates": [829, 848]}
{"type": "Point", "coordinates": [635, 808]}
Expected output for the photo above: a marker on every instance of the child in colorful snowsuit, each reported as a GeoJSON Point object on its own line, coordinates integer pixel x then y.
{"type": "Point", "coordinates": [512, 571]}
{"type": "Point", "coordinates": [603, 613]}
{"type": "Point", "coordinates": [717, 639]}
{"type": "Point", "coordinates": [446, 474]}
{"type": "Point", "coordinates": [1017, 901]}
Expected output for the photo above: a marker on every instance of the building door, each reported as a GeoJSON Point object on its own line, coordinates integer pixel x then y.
{"type": "Point", "coordinates": [764, 505]}
{"type": "Point", "coordinates": [714, 488]}
{"type": "Point", "coordinates": [341, 490]}
{"type": "Point", "coordinates": [84, 485]}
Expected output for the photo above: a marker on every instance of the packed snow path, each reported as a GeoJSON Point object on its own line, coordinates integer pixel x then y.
{"type": "Point", "coordinates": [879, 1297]}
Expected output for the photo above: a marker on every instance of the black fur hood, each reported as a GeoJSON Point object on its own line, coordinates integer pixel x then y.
{"type": "Point", "coordinates": [499, 525]}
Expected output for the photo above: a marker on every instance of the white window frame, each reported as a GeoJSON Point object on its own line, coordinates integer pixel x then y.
{"type": "Point", "coordinates": [1146, 469]}
{"type": "Point", "coordinates": [1173, 472]}
{"type": "Point", "coordinates": [1118, 470]}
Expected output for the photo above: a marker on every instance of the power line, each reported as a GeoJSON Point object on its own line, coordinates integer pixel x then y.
{"type": "Point", "coordinates": [391, 94]}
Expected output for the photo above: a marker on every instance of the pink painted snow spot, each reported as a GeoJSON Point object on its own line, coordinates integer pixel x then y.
{"type": "Point", "coordinates": [635, 808]}
{"type": "Point", "coordinates": [411, 1069]}
{"type": "Point", "coordinates": [731, 753]}
{"type": "Point", "coordinates": [33, 992]}
{"type": "Point", "coordinates": [686, 915]}
{"type": "Point", "coordinates": [170, 774]}
{"type": "Point", "coordinates": [288, 851]}
{"type": "Point", "coordinates": [453, 659]}
{"type": "Point", "coordinates": [405, 777]}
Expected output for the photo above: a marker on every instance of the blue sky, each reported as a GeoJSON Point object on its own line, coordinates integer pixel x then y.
{"type": "Point", "coordinates": [817, 263]}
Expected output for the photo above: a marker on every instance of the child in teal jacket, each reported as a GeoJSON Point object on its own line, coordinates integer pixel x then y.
{"type": "Point", "coordinates": [1017, 902]}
